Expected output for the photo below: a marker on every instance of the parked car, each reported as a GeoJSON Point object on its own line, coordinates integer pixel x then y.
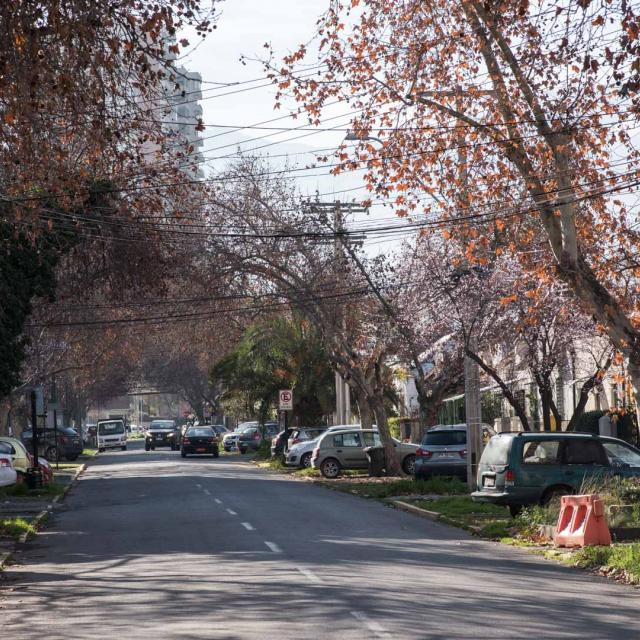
{"type": "Point", "coordinates": [303, 434]}
{"type": "Point", "coordinates": [340, 450]}
{"type": "Point", "coordinates": [299, 455]}
{"type": "Point", "coordinates": [68, 444]}
{"type": "Point", "coordinates": [443, 451]}
{"type": "Point", "coordinates": [23, 460]}
{"type": "Point", "coordinates": [220, 430]}
{"type": "Point", "coordinates": [162, 433]}
{"type": "Point", "coordinates": [230, 439]}
{"type": "Point", "coordinates": [251, 437]}
{"type": "Point", "coordinates": [199, 440]}
{"type": "Point", "coordinates": [8, 475]}
{"type": "Point", "coordinates": [519, 469]}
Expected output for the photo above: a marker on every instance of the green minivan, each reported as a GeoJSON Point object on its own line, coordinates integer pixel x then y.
{"type": "Point", "coordinates": [519, 469]}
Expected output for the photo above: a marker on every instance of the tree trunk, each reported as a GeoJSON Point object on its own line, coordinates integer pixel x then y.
{"type": "Point", "coordinates": [365, 411]}
{"type": "Point", "coordinates": [508, 394]}
{"type": "Point", "coordinates": [393, 464]}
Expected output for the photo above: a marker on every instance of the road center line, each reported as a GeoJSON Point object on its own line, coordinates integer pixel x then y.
{"type": "Point", "coordinates": [273, 546]}
{"type": "Point", "coordinates": [217, 501]}
{"type": "Point", "coordinates": [376, 628]}
{"type": "Point", "coordinates": [207, 492]}
{"type": "Point", "coordinates": [231, 512]}
{"type": "Point", "coordinates": [248, 526]}
{"type": "Point", "coordinates": [309, 575]}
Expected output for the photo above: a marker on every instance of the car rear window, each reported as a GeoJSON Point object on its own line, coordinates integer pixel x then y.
{"type": "Point", "coordinates": [444, 438]}
{"type": "Point", "coordinates": [497, 451]}
{"type": "Point", "coordinates": [200, 432]}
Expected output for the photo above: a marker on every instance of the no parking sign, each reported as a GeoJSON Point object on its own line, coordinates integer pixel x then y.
{"type": "Point", "coordinates": [285, 400]}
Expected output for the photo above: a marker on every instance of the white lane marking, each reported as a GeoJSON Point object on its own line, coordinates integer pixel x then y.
{"type": "Point", "coordinates": [207, 492]}
{"type": "Point", "coordinates": [309, 575]}
{"type": "Point", "coordinates": [199, 486]}
{"type": "Point", "coordinates": [248, 526]}
{"type": "Point", "coordinates": [231, 512]}
{"type": "Point", "coordinates": [273, 546]}
{"type": "Point", "coordinates": [217, 501]}
{"type": "Point", "coordinates": [375, 627]}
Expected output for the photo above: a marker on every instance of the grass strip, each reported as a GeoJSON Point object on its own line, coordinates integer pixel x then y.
{"type": "Point", "coordinates": [15, 527]}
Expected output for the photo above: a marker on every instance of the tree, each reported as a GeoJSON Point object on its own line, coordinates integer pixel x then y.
{"type": "Point", "coordinates": [280, 353]}
{"type": "Point", "coordinates": [520, 88]}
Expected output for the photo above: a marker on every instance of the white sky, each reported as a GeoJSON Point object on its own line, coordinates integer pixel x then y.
{"type": "Point", "coordinates": [244, 26]}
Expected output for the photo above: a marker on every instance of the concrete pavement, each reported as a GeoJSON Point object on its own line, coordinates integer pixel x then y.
{"type": "Point", "coordinates": [148, 545]}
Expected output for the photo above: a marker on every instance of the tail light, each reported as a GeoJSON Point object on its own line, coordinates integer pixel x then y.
{"type": "Point", "coordinates": [463, 453]}
{"type": "Point", "coordinates": [296, 440]}
{"type": "Point", "coordinates": [186, 441]}
{"type": "Point", "coordinates": [316, 452]}
{"type": "Point", "coordinates": [423, 453]}
{"type": "Point", "coordinates": [5, 462]}
{"type": "Point", "coordinates": [256, 436]}
{"type": "Point", "coordinates": [64, 439]}
{"type": "Point", "coordinates": [509, 477]}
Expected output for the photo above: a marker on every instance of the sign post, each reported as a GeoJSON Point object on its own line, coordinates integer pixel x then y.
{"type": "Point", "coordinates": [285, 404]}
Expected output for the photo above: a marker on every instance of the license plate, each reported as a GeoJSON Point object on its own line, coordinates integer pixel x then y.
{"type": "Point", "coordinates": [200, 450]}
{"type": "Point", "coordinates": [489, 482]}
{"type": "Point", "coordinates": [442, 454]}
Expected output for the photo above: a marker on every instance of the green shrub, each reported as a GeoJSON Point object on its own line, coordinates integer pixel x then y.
{"type": "Point", "coordinates": [15, 527]}
{"type": "Point", "coordinates": [496, 530]}
{"type": "Point", "coordinates": [588, 422]}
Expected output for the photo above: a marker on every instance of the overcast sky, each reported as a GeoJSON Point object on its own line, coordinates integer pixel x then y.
{"type": "Point", "coordinates": [243, 27]}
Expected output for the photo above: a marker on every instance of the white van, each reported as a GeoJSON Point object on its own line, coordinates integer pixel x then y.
{"type": "Point", "coordinates": [111, 434]}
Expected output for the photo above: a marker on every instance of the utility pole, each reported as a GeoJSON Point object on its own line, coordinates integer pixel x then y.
{"type": "Point", "coordinates": [337, 209]}
{"type": "Point", "coordinates": [472, 399]}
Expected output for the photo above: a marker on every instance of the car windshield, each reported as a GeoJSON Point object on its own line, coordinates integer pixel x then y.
{"type": "Point", "coordinates": [497, 451]}
{"type": "Point", "coordinates": [109, 428]}
{"type": "Point", "coordinates": [619, 453]}
{"type": "Point", "coordinates": [162, 424]}
{"type": "Point", "coordinates": [200, 432]}
{"type": "Point", "coordinates": [445, 438]}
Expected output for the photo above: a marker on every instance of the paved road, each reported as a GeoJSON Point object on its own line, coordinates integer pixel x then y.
{"type": "Point", "coordinates": [150, 546]}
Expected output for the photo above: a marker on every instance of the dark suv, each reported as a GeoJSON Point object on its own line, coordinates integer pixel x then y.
{"type": "Point", "coordinates": [68, 444]}
{"type": "Point", "coordinates": [519, 469]}
{"type": "Point", "coordinates": [162, 433]}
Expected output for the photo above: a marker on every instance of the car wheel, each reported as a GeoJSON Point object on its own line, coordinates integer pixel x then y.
{"type": "Point", "coordinates": [515, 510]}
{"type": "Point", "coordinates": [183, 454]}
{"type": "Point", "coordinates": [153, 448]}
{"type": "Point", "coordinates": [305, 460]}
{"type": "Point", "coordinates": [147, 446]}
{"type": "Point", "coordinates": [124, 448]}
{"type": "Point", "coordinates": [330, 468]}
{"type": "Point", "coordinates": [551, 497]}
{"type": "Point", "coordinates": [216, 453]}
{"type": "Point", "coordinates": [51, 454]}
{"type": "Point", "coordinates": [409, 464]}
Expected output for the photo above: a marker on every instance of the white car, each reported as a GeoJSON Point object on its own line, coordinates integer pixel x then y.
{"type": "Point", "coordinates": [299, 455]}
{"type": "Point", "coordinates": [8, 475]}
{"type": "Point", "coordinates": [230, 440]}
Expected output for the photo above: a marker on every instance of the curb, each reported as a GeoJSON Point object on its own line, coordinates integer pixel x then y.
{"type": "Point", "coordinates": [66, 490]}
{"type": "Point", "coordinates": [37, 521]}
{"type": "Point", "coordinates": [411, 508]}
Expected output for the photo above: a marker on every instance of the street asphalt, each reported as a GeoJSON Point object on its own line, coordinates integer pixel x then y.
{"type": "Point", "coordinates": [151, 546]}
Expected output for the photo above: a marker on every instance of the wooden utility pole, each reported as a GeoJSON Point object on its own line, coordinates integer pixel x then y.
{"type": "Point", "coordinates": [472, 396]}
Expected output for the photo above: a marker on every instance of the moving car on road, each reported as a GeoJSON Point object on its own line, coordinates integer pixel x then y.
{"type": "Point", "coordinates": [340, 450]}
{"type": "Point", "coordinates": [162, 433]}
{"type": "Point", "coordinates": [199, 440]}
{"type": "Point", "coordinates": [443, 451]}
{"type": "Point", "coordinates": [111, 435]}
{"type": "Point", "coordinates": [519, 469]}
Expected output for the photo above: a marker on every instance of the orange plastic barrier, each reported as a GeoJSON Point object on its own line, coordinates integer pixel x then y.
{"type": "Point", "coordinates": [582, 522]}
